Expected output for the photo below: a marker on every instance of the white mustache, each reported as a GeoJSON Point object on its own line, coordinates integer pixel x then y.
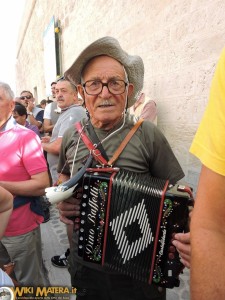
{"type": "Point", "coordinates": [106, 102]}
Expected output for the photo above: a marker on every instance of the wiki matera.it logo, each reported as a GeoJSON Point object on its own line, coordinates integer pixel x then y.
{"type": "Point", "coordinates": [6, 293]}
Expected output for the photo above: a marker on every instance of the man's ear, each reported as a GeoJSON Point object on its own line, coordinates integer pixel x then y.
{"type": "Point", "coordinates": [12, 105]}
{"type": "Point", "coordinates": [80, 90]}
{"type": "Point", "coordinates": [130, 89]}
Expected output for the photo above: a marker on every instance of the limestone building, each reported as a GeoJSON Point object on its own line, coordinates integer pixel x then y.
{"type": "Point", "coordinates": [179, 41]}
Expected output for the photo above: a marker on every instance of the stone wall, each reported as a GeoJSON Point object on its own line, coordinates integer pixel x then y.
{"type": "Point", "coordinates": [179, 41]}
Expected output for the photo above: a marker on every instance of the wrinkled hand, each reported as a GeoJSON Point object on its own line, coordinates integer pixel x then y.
{"type": "Point", "coordinates": [71, 208]}
{"type": "Point", "coordinates": [182, 243]}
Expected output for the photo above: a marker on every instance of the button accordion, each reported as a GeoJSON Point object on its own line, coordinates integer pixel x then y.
{"type": "Point", "coordinates": [128, 221]}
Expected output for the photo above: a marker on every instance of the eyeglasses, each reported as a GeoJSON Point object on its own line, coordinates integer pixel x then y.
{"type": "Point", "coordinates": [94, 87]}
{"type": "Point", "coordinates": [25, 97]}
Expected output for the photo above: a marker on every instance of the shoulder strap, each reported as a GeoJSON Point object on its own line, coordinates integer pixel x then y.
{"type": "Point", "coordinates": [125, 142]}
{"type": "Point", "coordinates": [96, 140]}
{"type": "Point", "coordinates": [94, 151]}
{"type": "Point", "coordinates": [97, 154]}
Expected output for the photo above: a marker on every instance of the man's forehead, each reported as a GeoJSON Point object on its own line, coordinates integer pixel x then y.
{"type": "Point", "coordinates": [62, 84]}
{"type": "Point", "coordinates": [103, 66]}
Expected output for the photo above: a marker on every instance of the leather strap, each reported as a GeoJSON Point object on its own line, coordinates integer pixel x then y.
{"type": "Point", "coordinates": [97, 154]}
{"type": "Point", "coordinates": [95, 140]}
{"type": "Point", "coordinates": [93, 150]}
{"type": "Point", "coordinates": [125, 142]}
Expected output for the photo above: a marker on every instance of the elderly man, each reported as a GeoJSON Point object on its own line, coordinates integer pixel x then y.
{"type": "Point", "coordinates": [71, 112]}
{"type": "Point", "coordinates": [24, 174]}
{"type": "Point", "coordinates": [109, 81]}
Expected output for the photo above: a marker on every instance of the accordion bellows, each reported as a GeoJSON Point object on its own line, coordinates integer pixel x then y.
{"type": "Point", "coordinates": [128, 221]}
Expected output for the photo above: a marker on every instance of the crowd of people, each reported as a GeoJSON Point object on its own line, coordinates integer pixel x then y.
{"type": "Point", "coordinates": [40, 146]}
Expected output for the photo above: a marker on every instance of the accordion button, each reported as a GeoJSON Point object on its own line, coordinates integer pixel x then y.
{"type": "Point", "coordinates": [171, 256]}
{"type": "Point", "coordinates": [172, 249]}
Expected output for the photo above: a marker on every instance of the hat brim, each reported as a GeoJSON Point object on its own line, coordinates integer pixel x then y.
{"type": "Point", "coordinates": [109, 46]}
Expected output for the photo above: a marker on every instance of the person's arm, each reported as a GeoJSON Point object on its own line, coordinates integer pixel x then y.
{"type": "Point", "coordinates": [33, 121]}
{"type": "Point", "coordinates": [52, 147]}
{"type": "Point", "coordinates": [47, 123]}
{"type": "Point", "coordinates": [48, 127]}
{"type": "Point", "coordinates": [35, 186]}
{"type": "Point", "coordinates": [6, 206]}
{"type": "Point", "coordinates": [208, 238]}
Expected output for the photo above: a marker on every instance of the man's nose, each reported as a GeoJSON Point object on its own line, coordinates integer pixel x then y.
{"type": "Point", "coordinates": [105, 92]}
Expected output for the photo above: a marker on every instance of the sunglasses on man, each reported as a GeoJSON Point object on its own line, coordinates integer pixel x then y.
{"type": "Point", "coordinates": [25, 97]}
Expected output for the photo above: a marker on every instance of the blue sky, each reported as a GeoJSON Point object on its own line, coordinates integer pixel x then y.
{"type": "Point", "coordinates": [11, 14]}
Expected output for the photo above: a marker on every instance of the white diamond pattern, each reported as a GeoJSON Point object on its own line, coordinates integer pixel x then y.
{"type": "Point", "coordinates": [118, 225]}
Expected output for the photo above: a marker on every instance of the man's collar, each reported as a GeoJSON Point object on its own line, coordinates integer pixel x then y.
{"type": "Point", "coordinates": [10, 123]}
{"type": "Point", "coordinates": [64, 109]}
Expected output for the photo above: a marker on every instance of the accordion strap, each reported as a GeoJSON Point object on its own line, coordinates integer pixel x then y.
{"type": "Point", "coordinates": [97, 154]}
{"type": "Point", "coordinates": [125, 142]}
{"type": "Point", "coordinates": [93, 150]}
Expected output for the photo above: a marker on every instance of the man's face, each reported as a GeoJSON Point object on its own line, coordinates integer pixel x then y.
{"type": "Point", "coordinates": [65, 94]}
{"type": "Point", "coordinates": [19, 119]}
{"type": "Point", "coordinates": [105, 109]}
{"type": "Point", "coordinates": [53, 90]}
{"type": "Point", "coordinates": [6, 106]}
{"type": "Point", "coordinates": [43, 105]}
{"type": "Point", "coordinates": [25, 98]}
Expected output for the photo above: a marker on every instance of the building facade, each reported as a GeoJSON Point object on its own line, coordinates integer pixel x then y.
{"type": "Point", "coordinates": [179, 40]}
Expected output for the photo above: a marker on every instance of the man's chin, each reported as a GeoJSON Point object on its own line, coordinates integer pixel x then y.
{"type": "Point", "coordinates": [106, 122]}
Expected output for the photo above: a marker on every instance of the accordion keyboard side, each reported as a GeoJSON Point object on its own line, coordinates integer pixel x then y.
{"type": "Point", "coordinates": [175, 219]}
{"type": "Point", "coordinates": [92, 218]}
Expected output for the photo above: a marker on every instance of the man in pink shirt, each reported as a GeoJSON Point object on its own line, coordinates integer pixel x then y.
{"type": "Point", "coordinates": [23, 173]}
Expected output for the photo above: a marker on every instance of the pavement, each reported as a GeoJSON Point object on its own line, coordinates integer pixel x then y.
{"type": "Point", "coordinates": [55, 242]}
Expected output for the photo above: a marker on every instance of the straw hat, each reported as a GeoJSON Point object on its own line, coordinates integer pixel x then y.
{"type": "Point", "coordinates": [109, 46]}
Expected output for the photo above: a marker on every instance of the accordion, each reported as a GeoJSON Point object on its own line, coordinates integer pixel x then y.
{"type": "Point", "coordinates": [128, 221]}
